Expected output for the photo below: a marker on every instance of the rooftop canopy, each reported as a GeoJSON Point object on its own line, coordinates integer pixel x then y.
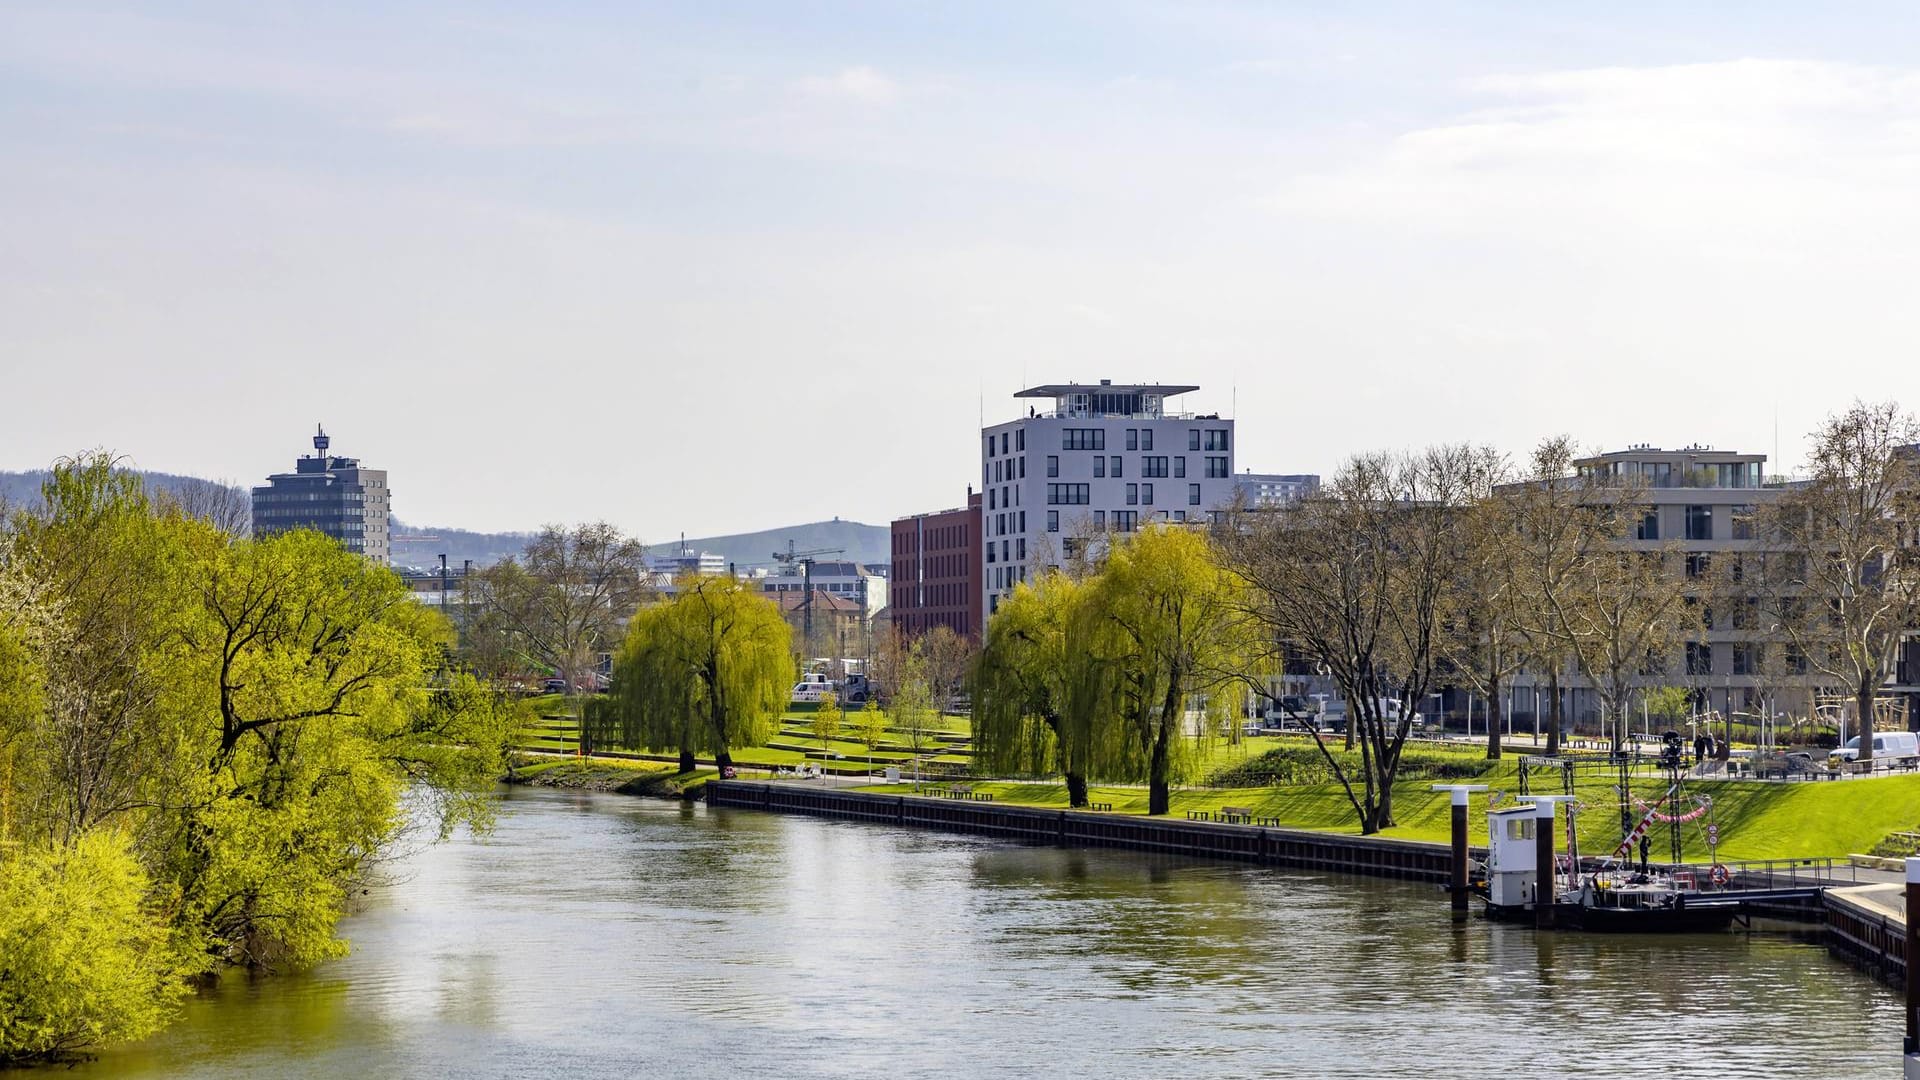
{"type": "Point", "coordinates": [1056, 390]}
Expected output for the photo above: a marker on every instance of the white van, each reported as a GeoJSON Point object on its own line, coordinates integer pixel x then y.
{"type": "Point", "coordinates": [1886, 744]}
{"type": "Point", "coordinates": [811, 688]}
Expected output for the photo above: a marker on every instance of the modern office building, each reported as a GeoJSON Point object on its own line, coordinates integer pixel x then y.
{"type": "Point", "coordinates": [681, 560]}
{"type": "Point", "coordinates": [937, 562]}
{"type": "Point", "coordinates": [1268, 491]}
{"type": "Point", "coordinates": [1104, 458]}
{"type": "Point", "coordinates": [331, 495]}
{"type": "Point", "coordinates": [1700, 501]}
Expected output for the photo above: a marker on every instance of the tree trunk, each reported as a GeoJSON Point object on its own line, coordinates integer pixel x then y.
{"type": "Point", "coordinates": [1383, 810]}
{"type": "Point", "coordinates": [687, 762]}
{"type": "Point", "coordinates": [1553, 713]}
{"type": "Point", "coordinates": [1159, 797]}
{"type": "Point", "coordinates": [1863, 706]}
{"type": "Point", "coordinates": [1076, 791]}
{"type": "Point", "coordinates": [1493, 720]}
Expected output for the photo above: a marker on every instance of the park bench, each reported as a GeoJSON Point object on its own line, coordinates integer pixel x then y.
{"type": "Point", "coordinates": [1105, 807]}
{"type": "Point", "coordinates": [1235, 815]}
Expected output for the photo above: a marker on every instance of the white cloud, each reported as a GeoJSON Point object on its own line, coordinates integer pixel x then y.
{"type": "Point", "coordinates": [860, 84]}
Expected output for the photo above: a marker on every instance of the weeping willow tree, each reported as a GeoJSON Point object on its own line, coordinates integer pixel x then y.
{"type": "Point", "coordinates": [1166, 624]}
{"type": "Point", "coordinates": [709, 670]}
{"type": "Point", "coordinates": [1038, 697]}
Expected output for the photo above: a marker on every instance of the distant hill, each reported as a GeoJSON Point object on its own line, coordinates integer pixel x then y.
{"type": "Point", "coordinates": [23, 488]}
{"type": "Point", "coordinates": [861, 543]}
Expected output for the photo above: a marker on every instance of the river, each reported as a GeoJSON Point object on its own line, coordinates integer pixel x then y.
{"type": "Point", "coordinates": [603, 936]}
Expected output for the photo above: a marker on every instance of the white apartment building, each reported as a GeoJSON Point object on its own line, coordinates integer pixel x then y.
{"type": "Point", "coordinates": [1270, 491]}
{"type": "Point", "coordinates": [1105, 458]}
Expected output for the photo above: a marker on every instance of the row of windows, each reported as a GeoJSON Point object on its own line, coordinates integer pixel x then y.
{"type": "Point", "coordinates": [1018, 445]}
{"type": "Point", "coordinates": [1699, 523]}
{"type": "Point", "coordinates": [1083, 438]}
{"type": "Point", "coordinates": [1012, 521]}
{"type": "Point", "coordinates": [1123, 520]}
{"type": "Point", "coordinates": [938, 538]}
{"type": "Point", "coordinates": [1069, 494]}
{"type": "Point", "coordinates": [1009, 550]}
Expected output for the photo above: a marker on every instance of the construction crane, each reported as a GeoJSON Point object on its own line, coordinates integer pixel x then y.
{"type": "Point", "coordinates": [805, 558]}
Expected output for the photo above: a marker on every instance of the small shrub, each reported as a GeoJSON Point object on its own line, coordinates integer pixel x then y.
{"type": "Point", "coordinates": [1291, 765]}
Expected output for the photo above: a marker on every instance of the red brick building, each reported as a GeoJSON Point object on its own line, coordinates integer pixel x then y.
{"type": "Point", "coordinates": [937, 560]}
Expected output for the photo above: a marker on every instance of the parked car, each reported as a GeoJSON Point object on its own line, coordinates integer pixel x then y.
{"type": "Point", "coordinates": [1886, 744]}
{"type": "Point", "coordinates": [554, 686]}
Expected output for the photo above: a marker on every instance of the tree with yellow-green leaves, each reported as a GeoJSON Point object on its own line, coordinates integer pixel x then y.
{"type": "Point", "coordinates": [872, 727]}
{"type": "Point", "coordinates": [826, 722]}
{"type": "Point", "coordinates": [206, 738]}
{"type": "Point", "coordinates": [1039, 698]}
{"type": "Point", "coordinates": [709, 670]}
{"type": "Point", "coordinates": [1169, 628]}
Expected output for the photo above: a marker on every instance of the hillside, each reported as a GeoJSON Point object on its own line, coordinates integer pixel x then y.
{"type": "Point", "coordinates": [861, 543]}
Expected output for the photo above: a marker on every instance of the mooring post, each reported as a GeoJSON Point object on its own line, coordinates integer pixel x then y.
{"type": "Point", "coordinates": [1460, 793]}
{"type": "Point", "coordinates": [1912, 1046]}
{"type": "Point", "coordinates": [1543, 829]}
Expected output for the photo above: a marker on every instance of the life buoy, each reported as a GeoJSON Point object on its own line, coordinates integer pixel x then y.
{"type": "Point", "coordinates": [1719, 875]}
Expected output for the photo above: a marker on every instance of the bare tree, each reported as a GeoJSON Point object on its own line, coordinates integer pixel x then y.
{"type": "Point", "coordinates": [224, 505]}
{"type": "Point", "coordinates": [1556, 523]}
{"type": "Point", "coordinates": [562, 604]}
{"type": "Point", "coordinates": [1362, 579]}
{"type": "Point", "coordinates": [1844, 584]}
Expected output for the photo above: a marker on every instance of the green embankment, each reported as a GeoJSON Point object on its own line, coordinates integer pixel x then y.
{"type": "Point", "coordinates": [1756, 820]}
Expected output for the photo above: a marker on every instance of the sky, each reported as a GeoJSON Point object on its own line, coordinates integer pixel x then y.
{"type": "Point", "coordinates": [720, 266]}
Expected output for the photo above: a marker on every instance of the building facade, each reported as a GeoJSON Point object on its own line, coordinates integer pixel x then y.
{"type": "Point", "coordinates": [1105, 458]}
{"type": "Point", "coordinates": [937, 561]}
{"type": "Point", "coordinates": [1268, 491]}
{"type": "Point", "coordinates": [842, 578]}
{"type": "Point", "coordinates": [1700, 501]}
{"type": "Point", "coordinates": [331, 495]}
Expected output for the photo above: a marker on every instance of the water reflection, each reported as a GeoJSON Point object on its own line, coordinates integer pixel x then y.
{"type": "Point", "coordinates": [600, 936]}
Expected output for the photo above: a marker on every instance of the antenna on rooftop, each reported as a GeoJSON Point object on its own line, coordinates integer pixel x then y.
{"type": "Point", "coordinates": [320, 440]}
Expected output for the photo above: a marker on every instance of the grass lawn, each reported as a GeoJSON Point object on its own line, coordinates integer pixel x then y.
{"type": "Point", "coordinates": [1756, 820]}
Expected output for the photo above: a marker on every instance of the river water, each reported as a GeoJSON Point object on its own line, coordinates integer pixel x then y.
{"type": "Point", "coordinates": [603, 936]}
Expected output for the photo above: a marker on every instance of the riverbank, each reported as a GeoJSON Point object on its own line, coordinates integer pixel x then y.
{"type": "Point", "coordinates": [612, 776]}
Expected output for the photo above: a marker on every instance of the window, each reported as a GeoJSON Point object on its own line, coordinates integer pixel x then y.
{"type": "Point", "coordinates": [1699, 522]}
{"type": "Point", "coordinates": [1216, 439]}
{"type": "Point", "coordinates": [1053, 465]}
{"type": "Point", "coordinates": [1193, 494]}
{"type": "Point", "coordinates": [1146, 438]}
{"type": "Point", "coordinates": [1020, 439]}
{"type": "Point", "coordinates": [1083, 438]}
{"type": "Point", "coordinates": [1099, 519]}
{"type": "Point", "coordinates": [1179, 515]}
{"type": "Point", "coordinates": [996, 472]}
{"type": "Point", "coordinates": [989, 446]}
{"type": "Point", "coordinates": [1100, 466]}
{"type": "Point", "coordinates": [1649, 527]}
{"type": "Point", "coordinates": [1153, 466]}
{"type": "Point", "coordinates": [1003, 442]}
{"type": "Point", "coordinates": [1699, 564]}
{"type": "Point", "coordinates": [1699, 658]}
{"type": "Point", "coordinates": [1133, 494]}
{"type": "Point", "coordinates": [1126, 520]}
{"type": "Point", "coordinates": [1216, 468]}
{"type": "Point", "coordinates": [1179, 467]}
{"type": "Point", "coordinates": [1796, 661]}
{"type": "Point", "coordinates": [1113, 468]}
{"type": "Point", "coordinates": [1020, 548]}
{"type": "Point", "coordinates": [1053, 521]}
{"type": "Point", "coordinates": [1133, 438]}
{"type": "Point", "coordinates": [1193, 438]}
{"type": "Point", "coordinates": [1743, 523]}
{"type": "Point", "coordinates": [1746, 659]}
{"type": "Point", "coordinates": [1023, 468]}
{"type": "Point", "coordinates": [1068, 494]}
{"type": "Point", "coordinates": [1659, 474]}
{"type": "Point", "coordinates": [992, 495]}
{"type": "Point", "coordinates": [1146, 494]}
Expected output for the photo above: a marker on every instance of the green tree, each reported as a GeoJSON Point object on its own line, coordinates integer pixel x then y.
{"type": "Point", "coordinates": [84, 958]}
{"type": "Point", "coordinates": [826, 722]}
{"type": "Point", "coordinates": [1038, 695]}
{"type": "Point", "coordinates": [912, 706]}
{"type": "Point", "coordinates": [1169, 626]}
{"type": "Point", "coordinates": [873, 727]}
{"type": "Point", "coordinates": [711, 669]}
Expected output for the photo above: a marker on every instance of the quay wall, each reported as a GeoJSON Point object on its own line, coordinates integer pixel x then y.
{"type": "Point", "coordinates": [1866, 929]}
{"type": "Point", "coordinates": [1404, 859]}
